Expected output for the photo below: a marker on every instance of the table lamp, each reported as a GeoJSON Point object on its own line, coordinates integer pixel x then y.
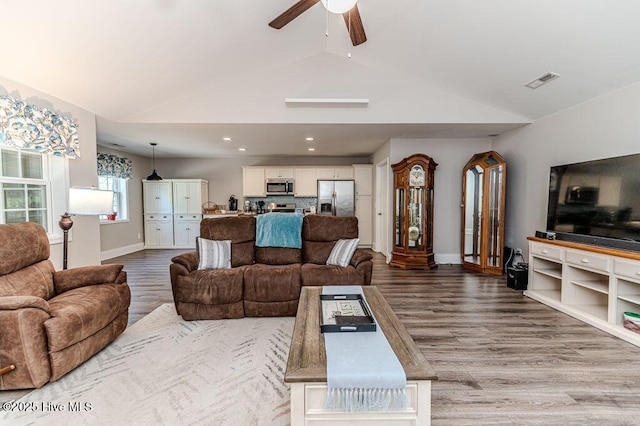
{"type": "Point", "coordinates": [83, 202]}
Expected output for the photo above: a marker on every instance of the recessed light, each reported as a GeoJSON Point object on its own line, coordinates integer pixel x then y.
{"type": "Point", "coordinates": [226, 138]}
{"type": "Point", "coordinates": [308, 138]}
{"type": "Point", "coordinates": [242, 149]}
{"type": "Point", "coordinates": [311, 149]}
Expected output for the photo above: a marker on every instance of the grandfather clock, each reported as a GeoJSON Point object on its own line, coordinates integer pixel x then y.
{"type": "Point", "coordinates": [413, 213]}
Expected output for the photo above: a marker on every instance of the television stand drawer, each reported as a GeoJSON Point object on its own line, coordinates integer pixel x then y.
{"type": "Point", "coordinates": [587, 260]}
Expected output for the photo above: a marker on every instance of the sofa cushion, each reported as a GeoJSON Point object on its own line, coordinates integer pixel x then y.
{"type": "Point", "coordinates": [271, 290]}
{"type": "Point", "coordinates": [272, 283]}
{"type": "Point", "coordinates": [211, 286]}
{"type": "Point", "coordinates": [81, 312]}
{"type": "Point", "coordinates": [34, 280]}
{"type": "Point", "coordinates": [313, 274]}
{"type": "Point", "coordinates": [214, 254]}
{"type": "Point", "coordinates": [342, 252]}
{"type": "Point", "coordinates": [319, 234]}
{"type": "Point", "coordinates": [241, 230]}
{"type": "Point", "coordinates": [23, 244]}
{"type": "Point", "coordinates": [278, 255]}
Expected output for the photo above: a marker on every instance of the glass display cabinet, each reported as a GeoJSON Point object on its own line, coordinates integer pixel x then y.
{"type": "Point", "coordinates": [483, 192]}
{"type": "Point", "coordinates": [413, 213]}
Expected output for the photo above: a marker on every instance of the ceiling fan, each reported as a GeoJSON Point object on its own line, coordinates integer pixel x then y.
{"type": "Point", "coordinates": [351, 17]}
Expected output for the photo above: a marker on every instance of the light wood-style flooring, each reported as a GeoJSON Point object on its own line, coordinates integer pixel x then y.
{"type": "Point", "coordinates": [501, 358]}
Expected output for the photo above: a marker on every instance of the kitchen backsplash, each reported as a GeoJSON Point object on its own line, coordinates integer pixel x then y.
{"type": "Point", "coordinates": [300, 202]}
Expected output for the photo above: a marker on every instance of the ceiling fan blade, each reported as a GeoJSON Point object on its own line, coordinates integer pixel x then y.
{"type": "Point", "coordinates": [292, 13]}
{"type": "Point", "coordinates": [357, 28]}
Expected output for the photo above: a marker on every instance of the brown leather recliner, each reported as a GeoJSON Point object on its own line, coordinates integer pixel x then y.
{"type": "Point", "coordinates": [52, 321]}
{"type": "Point", "coordinates": [264, 281]}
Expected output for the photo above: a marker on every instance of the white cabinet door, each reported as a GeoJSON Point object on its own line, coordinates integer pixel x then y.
{"type": "Point", "coordinates": [335, 172]}
{"type": "Point", "coordinates": [158, 197]}
{"type": "Point", "coordinates": [278, 172]}
{"type": "Point", "coordinates": [325, 173]}
{"type": "Point", "coordinates": [186, 229]}
{"type": "Point", "coordinates": [253, 182]}
{"type": "Point", "coordinates": [343, 173]}
{"type": "Point", "coordinates": [158, 231]}
{"type": "Point", "coordinates": [364, 213]}
{"type": "Point", "coordinates": [306, 182]}
{"type": "Point", "coordinates": [363, 175]}
{"type": "Point", "coordinates": [188, 196]}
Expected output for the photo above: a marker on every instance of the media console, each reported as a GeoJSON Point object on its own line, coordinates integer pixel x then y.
{"type": "Point", "coordinates": [593, 284]}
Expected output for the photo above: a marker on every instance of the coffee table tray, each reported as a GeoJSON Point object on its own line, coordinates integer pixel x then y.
{"type": "Point", "coordinates": [345, 313]}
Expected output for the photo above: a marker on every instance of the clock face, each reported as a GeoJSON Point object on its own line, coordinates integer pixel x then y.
{"type": "Point", "coordinates": [416, 176]}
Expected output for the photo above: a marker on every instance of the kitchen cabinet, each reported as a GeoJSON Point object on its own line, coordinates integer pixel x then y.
{"type": "Point", "coordinates": [305, 182]}
{"type": "Point", "coordinates": [253, 184]}
{"type": "Point", "coordinates": [158, 231]}
{"type": "Point", "coordinates": [186, 227]}
{"type": "Point", "coordinates": [278, 172]}
{"type": "Point", "coordinates": [413, 213]}
{"type": "Point", "coordinates": [335, 172]}
{"type": "Point", "coordinates": [189, 195]}
{"type": "Point", "coordinates": [363, 175]}
{"type": "Point", "coordinates": [364, 213]}
{"type": "Point", "coordinates": [158, 196]}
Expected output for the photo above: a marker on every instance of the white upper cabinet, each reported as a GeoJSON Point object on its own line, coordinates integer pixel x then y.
{"type": "Point", "coordinates": [158, 196]}
{"type": "Point", "coordinates": [253, 181]}
{"type": "Point", "coordinates": [335, 172]}
{"type": "Point", "coordinates": [278, 172]}
{"type": "Point", "coordinates": [306, 182]}
{"type": "Point", "coordinates": [189, 195]}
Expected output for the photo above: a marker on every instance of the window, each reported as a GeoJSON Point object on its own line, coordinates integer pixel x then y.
{"type": "Point", "coordinates": [24, 188]}
{"type": "Point", "coordinates": [120, 203]}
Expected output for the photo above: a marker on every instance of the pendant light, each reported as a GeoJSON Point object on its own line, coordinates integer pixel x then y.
{"type": "Point", "coordinates": [154, 175]}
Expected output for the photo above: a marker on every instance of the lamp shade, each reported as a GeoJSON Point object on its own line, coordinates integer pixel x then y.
{"type": "Point", "coordinates": [339, 6]}
{"type": "Point", "coordinates": [90, 202]}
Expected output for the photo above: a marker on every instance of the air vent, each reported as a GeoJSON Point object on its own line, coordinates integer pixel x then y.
{"type": "Point", "coordinates": [116, 144]}
{"type": "Point", "coordinates": [543, 79]}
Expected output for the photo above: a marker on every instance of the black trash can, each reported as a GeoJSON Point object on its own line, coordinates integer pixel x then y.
{"type": "Point", "coordinates": [518, 277]}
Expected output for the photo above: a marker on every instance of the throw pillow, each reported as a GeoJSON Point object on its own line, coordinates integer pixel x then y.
{"type": "Point", "coordinates": [342, 252]}
{"type": "Point", "coordinates": [214, 254]}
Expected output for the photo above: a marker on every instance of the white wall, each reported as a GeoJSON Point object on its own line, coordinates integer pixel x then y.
{"type": "Point", "coordinates": [119, 238]}
{"type": "Point", "coordinates": [84, 249]}
{"type": "Point", "coordinates": [604, 127]}
{"type": "Point", "coordinates": [451, 155]}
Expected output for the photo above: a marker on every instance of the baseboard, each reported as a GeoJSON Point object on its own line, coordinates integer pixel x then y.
{"type": "Point", "coordinates": [121, 251]}
{"type": "Point", "coordinates": [448, 258]}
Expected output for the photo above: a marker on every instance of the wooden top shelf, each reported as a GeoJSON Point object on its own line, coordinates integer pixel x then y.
{"type": "Point", "coordinates": [587, 247]}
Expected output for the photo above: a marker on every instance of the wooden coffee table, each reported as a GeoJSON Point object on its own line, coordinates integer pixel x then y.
{"type": "Point", "coordinates": [307, 368]}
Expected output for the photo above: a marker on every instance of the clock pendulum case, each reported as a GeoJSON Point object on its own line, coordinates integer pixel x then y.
{"type": "Point", "coordinates": [413, 213]}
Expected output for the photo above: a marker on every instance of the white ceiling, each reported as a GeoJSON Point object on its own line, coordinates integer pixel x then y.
{"type": "Point", "coordinates": [186, 73]}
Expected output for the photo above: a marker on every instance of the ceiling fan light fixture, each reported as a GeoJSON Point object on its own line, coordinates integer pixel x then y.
{"type": "Point", "coordinates": [339, 6]}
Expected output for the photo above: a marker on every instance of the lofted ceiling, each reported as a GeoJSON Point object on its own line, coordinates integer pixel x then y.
{"type": "Point", "coordinates": [188, 73]}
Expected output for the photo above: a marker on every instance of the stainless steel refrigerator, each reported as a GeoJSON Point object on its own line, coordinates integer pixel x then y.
{"type": "Point", "coordinates": [336, 197]}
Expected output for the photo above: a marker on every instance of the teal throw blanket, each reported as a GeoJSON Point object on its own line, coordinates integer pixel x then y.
{"type": "Point", "coordinates": [279, 230]}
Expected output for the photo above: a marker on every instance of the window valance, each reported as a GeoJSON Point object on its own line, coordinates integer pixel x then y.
{"type": "Point", "coordinates": [113, 165]}
{"type": "Point", "coordinates": [27, 126]}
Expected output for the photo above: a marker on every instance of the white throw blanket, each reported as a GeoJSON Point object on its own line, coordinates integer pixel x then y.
{"type": "Point", "coordinates": [363, 372]}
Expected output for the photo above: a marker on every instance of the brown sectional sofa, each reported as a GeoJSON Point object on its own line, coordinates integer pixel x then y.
{"type": "Point", "coordinates": [264, 281]}
{"type": "Point", "coordinates": [53, 321]}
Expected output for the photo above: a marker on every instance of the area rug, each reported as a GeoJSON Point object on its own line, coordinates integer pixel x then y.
{"type": "Point", "coordinates": [166, 371]}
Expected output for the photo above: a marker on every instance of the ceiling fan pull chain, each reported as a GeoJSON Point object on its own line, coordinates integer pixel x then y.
{"type": "Point", "coordinates": [349, 53]}
{"type": "Point", "coordinates": [326, 32]}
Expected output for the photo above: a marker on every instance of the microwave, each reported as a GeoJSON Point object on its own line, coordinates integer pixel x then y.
{"type": "Point", "coordinates": [279, 186]}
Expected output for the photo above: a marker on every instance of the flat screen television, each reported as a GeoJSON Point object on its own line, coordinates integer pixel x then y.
{"type": "Point", "coordinates": [596, 202]}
